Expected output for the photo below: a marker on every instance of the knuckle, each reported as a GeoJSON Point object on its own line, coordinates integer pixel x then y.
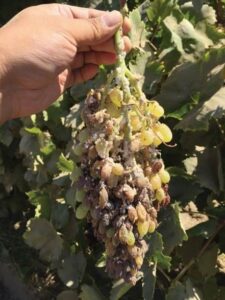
{"type": "Point", "coordinates": [96, 29]}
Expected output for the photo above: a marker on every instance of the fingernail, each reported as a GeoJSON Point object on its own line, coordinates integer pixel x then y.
{"type": "Point", "coordinates": [112, 18]}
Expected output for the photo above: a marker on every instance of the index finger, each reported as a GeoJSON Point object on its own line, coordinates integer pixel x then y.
{"type": "Point", "coordinates": [87, 13]}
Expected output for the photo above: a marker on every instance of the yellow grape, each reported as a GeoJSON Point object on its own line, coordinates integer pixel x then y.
{"type": "Point", "coordinates": [146, 137]}
{"type": "Point", "coordinates": [152, 226]}
{"type": "Point", "coordinates": [116, 96]}
{"type": "Point", "coordinates": [81, 211]}
{"type": "Point", "coordinates": [117, 169]}
{"type": "Point", "coordinates": [139, 261]}
{"type": "Point", "coordinates": [113, 110]}
{"type": "Point", "coordinates": [155, 109]}
{"type": "Point", "coordinates": [142, 228]}
{"type": "Point", "coordinates": [155, 182]}
{"type": "Point", "coordinates": [164, 175]}
{"type": "Point", "coordinates": [126, 236]}
{"type": "Point", "coordinates": [164, 131]}
{"type": "Point", "coordinates": [135, 122]}
{"type": "Point", "coordinates": [160, 195]}
{"type": "Point", "coordinates": [130, 239]}
{"type": "Point", "coordinates": [157, 139]}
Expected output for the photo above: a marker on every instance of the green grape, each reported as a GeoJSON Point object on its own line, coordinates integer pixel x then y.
{"type": "Point", "coordinates": [160, 194]}
{"type": "Point", "coordinates": [164, 131]}
{"type": "Point", "coordinates": [130, 238]}
{"type": "Point", "coordinates": [78, 149]}
{"type": "Point", "coordinates": [126, 236]}
{"type": "Point", "coordinates": [116, 97]}
{"type": "Point", "coordinates": [164, 175]}
{"type": "Point", "coordinates": [135, 121]}
{"type": "Point", "coordinates": [146, 137]}
{"type": "Point", "coordinates": [152, 226]}
{"type": "Point", "coordinates": [81, 211]}
{"type": "Point", "coordinates": [143, 228]}
{"type": "Point", "coordinates": [117, 169]}
{"type": "Point", "coordinates": [83, 135]}
{"type": "Point", "coordinates": [155, 109]}
{"type": "Point", "coordinates": [155, 182]}
{"type": "Point", "coordinates": [113, 110]}
{"type": "Point", "coordinates": [80, 195]}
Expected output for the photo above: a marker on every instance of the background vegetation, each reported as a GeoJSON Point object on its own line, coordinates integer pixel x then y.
{"type": "Point", "coordinates": [180, 49]}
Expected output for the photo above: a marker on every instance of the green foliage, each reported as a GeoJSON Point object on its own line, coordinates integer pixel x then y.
{"type": "Point", "coordinates": [180, 52]}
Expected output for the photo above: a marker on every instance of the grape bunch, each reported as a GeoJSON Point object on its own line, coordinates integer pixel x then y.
{"type": "Point", "coordinates": [122, 182]}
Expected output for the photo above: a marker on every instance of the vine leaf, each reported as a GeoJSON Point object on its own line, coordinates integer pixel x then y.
{"type": "Point", "coordinates": [42, 236]}
{"type": "Point", "coordinates": [149, 281]}
{"type": "Point", "coordinates": [138, 34]}
{"type": "Point", "coordinates": [184, 31]}
{"type": "Point", "coordinates": [160, 9]}
{"type": "Point", "coordinates": [199, 118]}
{"type": "Point", "coordinates": [72, 270]}
{"type": "Point", "coordinates": [59, 214]}
{"type": "Point", "coordinates": [210, 69]}
{"type": "Point", "coordinates": [171, 228]}
{"type": "Point", "coordinates": [90, 293]}
{"type": "Point", "coordinates": [208, 171]}
{"type": "Point", "coordinates": [156, 249]}
{"type": "Point", "coordinates": [41, 201]}
{"type": "Point", "coordinates": [119, 289]}
{"type": "Point", "coordinates": [207, 261]}
{"type": "Point", "coordinates": [64, 164]}
{"type": "Point", "coordinates": [179, 291]}
{"type": "Point", "coordinates": [67, 295]}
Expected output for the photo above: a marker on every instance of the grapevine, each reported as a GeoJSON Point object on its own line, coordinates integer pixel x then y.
{"type": "Point", "coordinates": [123, 176]}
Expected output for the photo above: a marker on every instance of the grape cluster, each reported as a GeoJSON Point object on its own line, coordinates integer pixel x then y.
{"type": "Point", "coordinates": [121, 182]}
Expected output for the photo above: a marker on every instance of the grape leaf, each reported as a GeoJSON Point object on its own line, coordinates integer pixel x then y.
{"type": "Point", "coordinates": [156, 249]}
{"type": "Point", "coordinates": [138, 33]}
{"type": "Point", "coordinates": [198, 119]}
{"type": "Point", "coordinates": [59, 214]}
{"type": "Point", "coordinates": [171, 228]}
{"type": "Point", "coordinates": [210, 69]}
{"type": "Point", "coordinates": [119, 289]}
{"type": "Point", "coordinates": [179, 291]}
{"type": "Point", "coordinates": [209, 172]}
{"type": "Point", "coordinates": [67, 295]}
{"type": "Point", "coordinates": [207, 261]}
{"type": "Point", "coordinates": [64, 164]}
{"type": "Point", "coordinates": [90, 293]}
{"type": "Point", "coordinates": [149, 281]}
{"type": "Point", "coordinates": [71, 270]}
{"type": "Point", "coordinates": [42, 236]}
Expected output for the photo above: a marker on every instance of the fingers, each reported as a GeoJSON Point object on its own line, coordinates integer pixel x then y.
{"type": "Point", "coordinates": [83, 74]}
{"type": "Point", "coordinates": [126, 26]}
{"type": "Point", "coordinates": [107, 46]}
{"type": "Point", "coordinates": [96, 58]}
{"type": "Point", "coordinates": [91, 32]}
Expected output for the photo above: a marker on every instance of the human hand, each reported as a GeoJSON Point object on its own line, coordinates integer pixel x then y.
{"type": "Point", "coordinates": [48, 48]}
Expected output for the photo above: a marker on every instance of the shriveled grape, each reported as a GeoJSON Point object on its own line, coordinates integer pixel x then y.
{"type": "Point", "coordinates": [117, 155]}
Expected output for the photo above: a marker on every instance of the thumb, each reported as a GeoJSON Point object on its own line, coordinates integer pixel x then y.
{"type": "Point", "coordinates": [88, 32]}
